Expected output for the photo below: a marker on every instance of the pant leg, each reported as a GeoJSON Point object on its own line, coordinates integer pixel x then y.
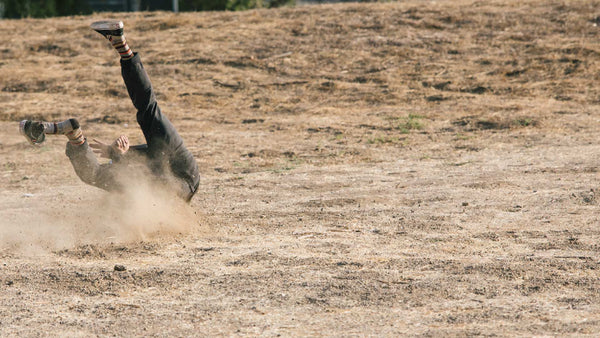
{"type": "Point", "coordinates": [89, 170]}
{"type": "Point", "coordinates": [165, 146]}
{"type": "Point", "coordinates": [157, 129]}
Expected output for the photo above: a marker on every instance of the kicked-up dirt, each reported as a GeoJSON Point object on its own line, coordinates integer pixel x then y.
{"type": "Point", "coordinates": [406, 168]}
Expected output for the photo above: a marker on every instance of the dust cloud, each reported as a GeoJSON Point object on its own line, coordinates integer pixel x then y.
{"type": "Point", "coordinates": [34, 226]}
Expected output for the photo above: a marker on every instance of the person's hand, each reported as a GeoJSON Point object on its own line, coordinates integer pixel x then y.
{"type": "Point", "coordinates": [120, 146]}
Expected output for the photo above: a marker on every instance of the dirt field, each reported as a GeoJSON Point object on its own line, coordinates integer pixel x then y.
{"type": "Point", "coordinates": [411, 168]}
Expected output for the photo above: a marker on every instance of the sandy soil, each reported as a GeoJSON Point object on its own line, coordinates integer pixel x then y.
{"type": "Point", "coordinates": [411, 168]}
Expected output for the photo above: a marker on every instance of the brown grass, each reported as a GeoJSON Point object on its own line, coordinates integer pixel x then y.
{"type": "Point", "coordinates": [411, 168]}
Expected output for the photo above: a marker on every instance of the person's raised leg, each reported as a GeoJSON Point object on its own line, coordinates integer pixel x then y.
{"type": "Point", "coordinates": [157, 129]}
{"type": "Point", "coordinates": [165, 145]}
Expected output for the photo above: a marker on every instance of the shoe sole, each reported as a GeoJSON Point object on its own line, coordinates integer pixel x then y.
{"type": "Point", "coordinates": [108, 28]}
{"type": "Point", "coordinates": [107, 25]}
{"type": "Point", "coordinates": [30, 138]}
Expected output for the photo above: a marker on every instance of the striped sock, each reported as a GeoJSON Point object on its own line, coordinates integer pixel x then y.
{"type": "Point", "coordinates": [120, 44]}
{"type": "Point", "coordinates": [76, 137]}
{"type": "Point", "coordinates": [58, 127]}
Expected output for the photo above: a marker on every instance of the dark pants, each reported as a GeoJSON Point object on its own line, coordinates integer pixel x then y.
{"type": "Point", "coordinates": [165, 156]}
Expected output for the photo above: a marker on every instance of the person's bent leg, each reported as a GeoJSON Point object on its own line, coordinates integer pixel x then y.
{"type": "Point", "coordinates": [35, 131]}
{"type": "Point", "coordinates": [89, 170]}
{"type": "Point", "coordinates": [84, 160]}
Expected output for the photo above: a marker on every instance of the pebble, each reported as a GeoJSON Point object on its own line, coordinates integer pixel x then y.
{"type": "Point", "coordinates": [119, 267]}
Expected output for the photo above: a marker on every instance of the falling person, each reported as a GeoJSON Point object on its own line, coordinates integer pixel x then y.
{"type": "Point", "coordinates": [164, 156]}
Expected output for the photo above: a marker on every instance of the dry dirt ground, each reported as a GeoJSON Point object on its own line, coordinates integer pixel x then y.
{"type": "Point", "coordinates": [414, 168]}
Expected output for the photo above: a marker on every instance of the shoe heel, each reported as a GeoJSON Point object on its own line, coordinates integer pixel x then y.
{"type": "Point", "coordinates": [22, 125]}
{"type": "Point", "coordinates": [26, 129]}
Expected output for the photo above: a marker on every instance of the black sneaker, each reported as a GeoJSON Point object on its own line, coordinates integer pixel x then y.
{"type": "Point", "coordinates": [33, 131]}
{"type": "Point", "coordinates": [108, 27]}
